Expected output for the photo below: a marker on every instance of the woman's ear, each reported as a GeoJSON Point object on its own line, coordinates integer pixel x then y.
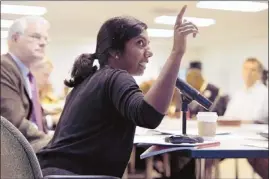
{"type": "Point", "coordinates": [115, 54]}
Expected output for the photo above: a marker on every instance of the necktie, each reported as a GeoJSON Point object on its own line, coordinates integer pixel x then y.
{"type": "Point", "coordinates": [36, 110]}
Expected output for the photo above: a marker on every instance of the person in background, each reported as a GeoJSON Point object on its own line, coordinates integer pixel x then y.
{"type": "Point", "coordinates": [20, 104]}
{"type": "Point", "coordinates": [251, 102]}
{"type": "Point", "coordinates": [174, 110]}
{"type": "Point", "coordinates": [49, 102]}
{"type": "Point", "coordinates": [42, 72]}
{"type": "Point", "coordinates": [195, 78]}
{"type": "Point", "coordinates": [97, 126]}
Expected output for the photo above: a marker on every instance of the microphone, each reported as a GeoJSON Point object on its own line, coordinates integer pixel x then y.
{"type": "Point", "coordinates": [193, 94]}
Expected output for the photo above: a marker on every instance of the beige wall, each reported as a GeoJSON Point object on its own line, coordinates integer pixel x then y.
{"type": "Point", "coordinates": [221, 61]}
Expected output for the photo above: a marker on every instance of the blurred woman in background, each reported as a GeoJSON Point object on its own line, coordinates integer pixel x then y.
{"type": "Point", "coordinates": [49, 102]}
{"type": "Point", "coordinates": [174, 110]}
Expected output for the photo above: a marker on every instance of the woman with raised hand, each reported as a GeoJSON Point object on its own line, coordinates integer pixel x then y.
{"type": "Point", "coordinates": [95, 132]}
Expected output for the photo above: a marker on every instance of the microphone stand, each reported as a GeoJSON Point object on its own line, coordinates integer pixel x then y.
{"type": "Point", "coordinates": [184, 138]}
{"type": "Point", "coordinates": [185, 102]}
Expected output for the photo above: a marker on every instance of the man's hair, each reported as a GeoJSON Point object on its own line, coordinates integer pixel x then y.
{"type": "Point", "coordinates": [255, 60]}
{"type": "Point", "coordinates": [19, 25]}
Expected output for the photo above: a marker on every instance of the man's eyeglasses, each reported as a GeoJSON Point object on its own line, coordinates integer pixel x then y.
{"type": "Point", "coordinates": [38, 38]}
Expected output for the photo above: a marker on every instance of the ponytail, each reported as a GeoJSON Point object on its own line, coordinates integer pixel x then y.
{"type": "Point", "coordinates": [82, 68]}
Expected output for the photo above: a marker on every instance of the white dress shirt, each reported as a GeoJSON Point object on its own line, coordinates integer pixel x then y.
{"type": "Point", "coordinates": [250, 103]}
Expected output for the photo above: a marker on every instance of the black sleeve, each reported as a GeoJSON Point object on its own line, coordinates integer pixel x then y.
{"type": "Point", "coordinates": [128, 99]}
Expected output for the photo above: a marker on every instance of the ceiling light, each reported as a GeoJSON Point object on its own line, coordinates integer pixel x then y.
{"type": "Point", "coordinates": [22, 10]}
{"type": "Point", "coordinates": [4, 34]}
{"type": "Point", "coordinates": [6, 23]}
{"type": "Point", "coordinates": [170, 20]}
{"type": "Point", "coordinates": [243, 6]}
{"type": "Point", "coordinates": [160, 33]}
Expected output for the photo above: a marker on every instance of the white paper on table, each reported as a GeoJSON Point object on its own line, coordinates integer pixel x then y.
{"type": "Point", "coordinates": [189, 131]}
{"type": "Point", "coordinates": [160, 140]}
{"type": "Point", "coordinates": [152, 151]}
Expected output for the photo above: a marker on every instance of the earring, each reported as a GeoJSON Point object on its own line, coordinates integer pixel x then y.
{"type": "Point", "coordinates": [116, 57]}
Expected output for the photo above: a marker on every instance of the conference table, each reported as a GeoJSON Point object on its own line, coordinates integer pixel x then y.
{"type": "Point", "coordinates": [241, 141]}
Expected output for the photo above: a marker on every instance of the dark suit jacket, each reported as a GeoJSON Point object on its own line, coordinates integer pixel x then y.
{"type": "Point", "coordinates": [16, 105]}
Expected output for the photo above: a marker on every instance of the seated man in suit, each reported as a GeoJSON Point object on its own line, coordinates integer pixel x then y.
{"type": "Point", "coordinates": [213, 93]}
{"type": "Point", "coordinates": [27, 39]}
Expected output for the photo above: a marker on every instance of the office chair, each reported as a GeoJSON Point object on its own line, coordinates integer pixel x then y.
{"type": "Point", "coordinates": [18, 159]}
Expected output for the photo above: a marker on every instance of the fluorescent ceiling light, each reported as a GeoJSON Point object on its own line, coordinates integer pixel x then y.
{"type": "Point", "coordinates": [243, 6]}
{"type": "Point", "coordinates": [4, 34]}
{"type": "Point", "coordinates": [160, 33]}
{"type": "Point", "coordinates": [170, 20]}
{"type": "Point", "coordinates": [6, 23]}
{"type": "Point", "coordinates": [22, 10]}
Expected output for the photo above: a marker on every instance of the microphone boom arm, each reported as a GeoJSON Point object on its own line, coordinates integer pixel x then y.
{"type": "Point", "coordinates": [188, 94]}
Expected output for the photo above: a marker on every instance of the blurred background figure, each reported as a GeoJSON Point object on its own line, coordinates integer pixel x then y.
{"type": "Point", "coordinates": [251, 102]}
{"type": "Point", "coordinates": [20, 103]}
{"type": "Point", "coordinates": [174, 110]}
{"type": "Point", "coordinates": [42, 71]}
{"type": "Point", "coordinates": [195, 78]}
{"type": "Point", "coordinates": [51, 104]}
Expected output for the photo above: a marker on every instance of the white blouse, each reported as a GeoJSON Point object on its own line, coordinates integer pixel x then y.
{"type": "Point", "coordinates": [250, 104]}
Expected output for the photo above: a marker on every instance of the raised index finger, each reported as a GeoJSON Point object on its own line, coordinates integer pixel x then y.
{"type": "Point", "coordinates": [180, 15]}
